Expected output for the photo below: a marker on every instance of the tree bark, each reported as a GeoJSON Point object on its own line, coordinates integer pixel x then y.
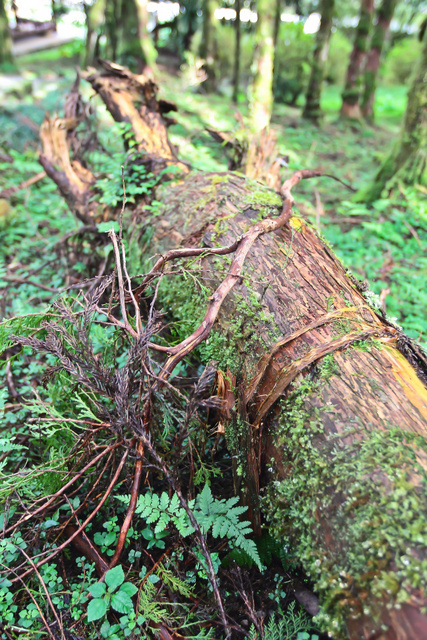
{"type": "Point", "coordinates": [379, 36]}
{"type": "Point", "coordinates": [261, 91]}
{"type": "Point", "coordinates": [95, 17]}
{"type": "Point", "coordinates": [327, 403]}
{"type": "Point", "coordinates": [208, 44]}
{"type": "Point", "coordinates": [312, 109]}
{"type": "Point", "coordinates": [407, 160]}
{"type": "Point", "coordinates": [351, 95]}
{"type": "Point", "coordinates": [5, 39]}
{"type": "Point", "coordinates": [236, 72]}
{"type": "Point", "coordinates": [147, 45]}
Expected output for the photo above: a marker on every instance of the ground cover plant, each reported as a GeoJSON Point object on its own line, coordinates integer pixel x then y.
{"type": "Point", "coordinates": [77, 375]}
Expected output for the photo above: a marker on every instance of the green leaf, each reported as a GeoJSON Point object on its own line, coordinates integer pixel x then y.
{"type": "Point", "coordinates": [114, 577]}
{"type": "Point", "coordinates": [121, 602]}
{"type": "Point", "coordinates": [96, 609]}
{"type": "Point", "coordinates": [129, 589]}
{"type": "Point", "coordinates": [97, 590]}
{"type": "Point", "coordinates": [104, 227]}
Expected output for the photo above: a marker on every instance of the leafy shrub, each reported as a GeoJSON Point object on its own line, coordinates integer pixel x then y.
{"type": "Point", "coordinates": [339, 52]}
{"type": "Point", "coordinates": [400, 61]}
{"type": "Point", "coordinates": [292, 62]}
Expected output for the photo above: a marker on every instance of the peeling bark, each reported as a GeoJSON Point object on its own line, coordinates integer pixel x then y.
{"type": "Point", "coordinates": [330, 402]}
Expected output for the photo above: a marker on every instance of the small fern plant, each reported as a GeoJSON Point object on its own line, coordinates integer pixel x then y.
{"type": "Point", "coordinates": [220, 518]}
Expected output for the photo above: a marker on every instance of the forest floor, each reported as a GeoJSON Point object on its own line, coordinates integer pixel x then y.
{"type": "Point", "coordinates": [384, 244]}
{"type": "Point", "coordinates": [42, 253]}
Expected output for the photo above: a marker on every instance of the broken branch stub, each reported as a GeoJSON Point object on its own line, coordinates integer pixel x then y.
{"type": "Point", "coordinates": [133, 98]}
{"type": "Point", "coordinates": [73, 179]}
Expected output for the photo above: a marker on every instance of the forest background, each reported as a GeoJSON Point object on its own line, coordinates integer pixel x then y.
{"type": "Point", "coordinates": [212, 69]}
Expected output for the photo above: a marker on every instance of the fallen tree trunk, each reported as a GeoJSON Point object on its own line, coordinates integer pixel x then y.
{"type": "Point", "coordinates": [327, 402]}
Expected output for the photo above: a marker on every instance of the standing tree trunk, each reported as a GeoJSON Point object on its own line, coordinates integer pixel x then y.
{"type": "Point", "coordinates": [379, 36]}
{"type": "Point", "coordinates": [147, 45]}
{"type": "Point", "coordinates": [191, 8]}
{"type": "Point", "coordinates": [209, 45]}
{"type": "Point", "coordinates": [95, 17]}
{"type": "Point", "coordinates": [327, 403]}
{"type": "Point", "coordinates": [351, 95]}
{"type": "Point", "coordinates": [5, 39]}
{"type": "Point", "coordinates": [261, 91]}
{"type": "Point", "coordinates": [236, 73]}
{"type": "Point", "coordinates": [320, 56]}
{"type": "Point", "coordinates": [261, 161]}
{"type": "Point", "coordinates": [407, 160]}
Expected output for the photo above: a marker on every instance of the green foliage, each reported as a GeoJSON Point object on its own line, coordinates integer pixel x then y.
{"type": "Point", "coordinates": [219, 517]}
{"type": "Point", "coordinates": [401, 60]}
{"type": "Point", "coordinates": [114, 593]}
{"type": "Point", "coordinates": [292, 62]}
{"type": "Point", "coordinates": [287, 625]}
{"type": "Point", "coordinates": [339, 50]}
{"type": "Point", "coordinates": [394, 234]}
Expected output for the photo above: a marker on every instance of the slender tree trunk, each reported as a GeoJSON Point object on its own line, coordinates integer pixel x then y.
{"type": "Point", "coordinates": [277, 17]}
{"type": "Point", "coordinates": [208, 47]}
{"type": "Point", "coordinates": [320, 56]}
{"type": "Point", "coordinates": [113, 26]}
{"type": "Point", "coordinates": [236, 74]}
{"type": "Point", "coordinates": [261, 91]}
{"type": "Point", "coordinates": [95, 17]}
{"type": "Point", "coordinates": [147, 45]}
{"type": "Point", "coordinates": [379, 36]}
{"type": "Point", "coordinates": [351, 95]}
{"type": "Point", "coordinates": [407, 160]}
{"type": "Point", "coordinates": [5, 39]}
{"type": "Point", "coordinates": [191, 16]}
{"type": "Point", "coordinates": [327, 403]}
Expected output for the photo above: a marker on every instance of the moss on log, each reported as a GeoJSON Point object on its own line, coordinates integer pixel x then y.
{"type": "Point", "coordinates": [328, 428]}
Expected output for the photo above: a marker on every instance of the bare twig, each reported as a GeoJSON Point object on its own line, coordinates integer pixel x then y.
{"type": "Point", "coordinates": [6, 193]}
{"type": "Point", "coordinates": [131, 508]}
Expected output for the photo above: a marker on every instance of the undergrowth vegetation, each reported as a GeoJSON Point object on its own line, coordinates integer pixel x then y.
{"type": "Point", "coordinates": [75, 407]}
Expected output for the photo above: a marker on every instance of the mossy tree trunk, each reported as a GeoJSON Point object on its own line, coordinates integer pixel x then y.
{"type": "Point", "coordinates": [95, 18]}
{"type": "Point", "coordinates": [208, 46]}
{"type": "Point", "coordinates": [327, 401]}
{"type": "Point", "coordinates": [147, 45]}
{"type": "Point", "coordinates": [379, 36]}
{"type": "Point", "coordinates": [261, 90]}
{"type": "Point", "coordinates": [5, 39]}
{"type": "Point", "coordinates": [236, 70]}
{"type": "Point", "coordinates": [313, 94]}
{"type": "Point", "coordinates": [351, 95]}
{"type": "Point", "coordinates": [261, 158]}
{"type": "Point", "coordinates": [407, 160]}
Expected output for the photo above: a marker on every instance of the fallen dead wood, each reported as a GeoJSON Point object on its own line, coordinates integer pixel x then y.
{"type": "Point", "coordinates": [330, 403]}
